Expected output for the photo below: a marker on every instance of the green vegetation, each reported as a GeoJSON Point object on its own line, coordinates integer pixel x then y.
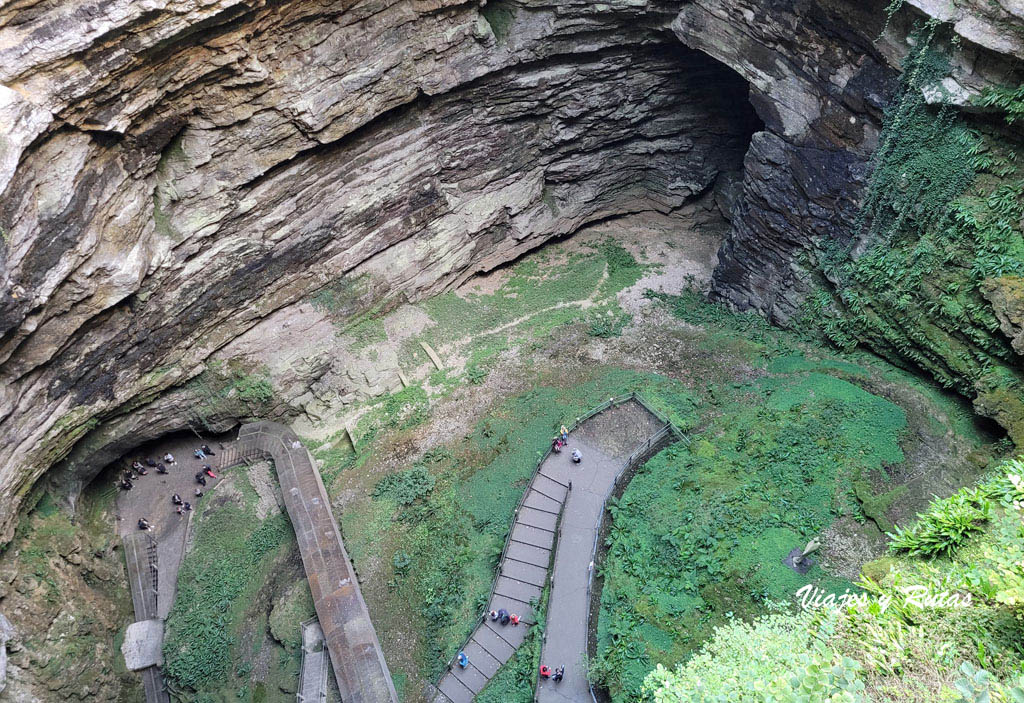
{"type": "Point", "coordinates": [499, 15]}
{"type": "Point", "coordinates": [233, 557]}
{"type": "Point", "coordinates": [1009, 100]}
{"type": "Point", "coordinates": [945, 628]}
{"type": "Point", "coordinates": [945, 526]}
{"type": "Point", "coordinates": [406, 486]}
{"type": "Point", "coordinates": [229, 389]}
{"type": "Point", "coordinates": [700, 533]}
{"type": "Point", "coordinates": [441, 523]}
{"type": "Point", "coordinates": [942, 219]}
{"type": "Point", "coordinates": [542, 292]}
{"type": "Point", "coordinates": [779, 659]}
{"type": "Point", "coordinates": [395, 411]}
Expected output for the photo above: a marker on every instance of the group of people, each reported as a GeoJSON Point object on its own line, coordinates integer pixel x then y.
{"type": "Point", "coordinates": [182, 506]}
{"type": "Point", "coordinates": [504, 617]}
{"type": "Point", "coordinates": [555, 675]}
{"type": "Point", "coordinates": [138, 468]}
{"type": "Point", "coordinates": [562, 440]}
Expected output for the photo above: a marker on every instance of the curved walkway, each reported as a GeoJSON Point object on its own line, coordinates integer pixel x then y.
{"type": "Point", "coordinates": [568, 621]}
{"type": "Point", "coordinates": [355, 651]}
{"type": "Point", "coordinates": [555, 522]}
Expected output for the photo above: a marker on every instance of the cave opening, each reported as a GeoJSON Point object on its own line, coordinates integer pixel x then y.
{"type": "Point", "coordinates": [441, 289]}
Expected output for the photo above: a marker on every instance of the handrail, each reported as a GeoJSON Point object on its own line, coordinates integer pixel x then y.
{"type": "Point", "coordinates": [551, 568]}
{"type": "Point", "coordinates": [614, 401]}
{"type": "Point", "coordinates": [638, 457]}
{"type": "Point", "coordinates": [302, 662]}
{"type": "Point", "coordinates": [508, 537]}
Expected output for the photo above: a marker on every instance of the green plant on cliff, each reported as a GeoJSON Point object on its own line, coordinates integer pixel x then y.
{"type": "Point", "coordinates": [940, 226]}
{"type": "Point", "coordinates": [1008, 99]}
{"type": "Point", "coordinates": [946, 525]}
{"type": "Point", "coordinates": [228, 388]}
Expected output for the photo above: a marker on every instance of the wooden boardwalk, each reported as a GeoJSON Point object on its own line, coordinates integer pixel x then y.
{"type": "Point", "coordinates": [141, 557]}
{"type": "Point", "coordinates": [356, 655]}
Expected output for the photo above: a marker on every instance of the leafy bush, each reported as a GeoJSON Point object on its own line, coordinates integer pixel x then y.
{"type": "Point", "coordinates": [773, 660]}
{"type": "Point", "coordinates": [1008, 99]}
{"type": "Point", "coordinates": [702, 529]}
{"type": "Point", "coordinates": [979, 686]}
{"type": "Point", "coordinates": [476, 374]}
{"type": "Point", "coordinates": [606, 325]}
{"type": "Point", "coordinates": [405, 486]}
{"type": "Point", "coordinates": [997, 571]}
{"type": "Point", "coordinates": [254, 389]}
{"type": "Point", "coordinates": [945, 526]}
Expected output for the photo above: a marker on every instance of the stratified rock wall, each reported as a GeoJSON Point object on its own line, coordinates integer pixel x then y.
{"type": "Point", "coordinates": [178, 171]}
{"type": "Point", "coordinates": [174, 173]}
{"type": "Point", "coordinates": [821, 73]}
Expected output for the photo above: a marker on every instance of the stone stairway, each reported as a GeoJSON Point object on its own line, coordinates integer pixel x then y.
{"type": "Point", "coordinates": [520, 581]}
{"type": "Point", "coordinates": [555, 528]}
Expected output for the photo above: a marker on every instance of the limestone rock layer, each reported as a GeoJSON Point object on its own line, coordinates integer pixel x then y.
{"type": "Point", "coordinates": [173, 173]}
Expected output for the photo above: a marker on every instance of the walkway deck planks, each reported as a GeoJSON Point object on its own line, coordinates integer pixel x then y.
{"type": "Point", "coordinates": [358, 661]}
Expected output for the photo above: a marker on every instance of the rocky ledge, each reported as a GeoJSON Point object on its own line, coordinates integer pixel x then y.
{"type": "Point", "coordinates": [174, 174]}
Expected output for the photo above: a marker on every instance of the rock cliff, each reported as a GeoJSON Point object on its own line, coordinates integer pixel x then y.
{"type": "Point", "coordinates": [175, 175]}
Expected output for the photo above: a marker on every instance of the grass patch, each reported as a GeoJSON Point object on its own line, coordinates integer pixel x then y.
{"type": "Point", "coordinates": [699, 535]}
{"type": "Point", "coordinates": [232, 557]}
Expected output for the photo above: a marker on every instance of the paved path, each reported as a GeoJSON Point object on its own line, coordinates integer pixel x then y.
{"type": "Point", "coordinates": [356, 655]}
{"type": "Point", "coordinates": [521, 579]}
{"type": "Point", "coordinates": [360, 670]}
{"type": "Point", "coordinates": [567, 632]}
{"type": "Point", "coordinates": [605, 441]}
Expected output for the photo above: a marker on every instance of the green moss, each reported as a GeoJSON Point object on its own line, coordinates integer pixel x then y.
{"type": "Point", "coordinates": [500, 16]}
{"type": "Point", "coordinates": [878, 569]}
{"type": "Point", "coordinates": [289, 613]}
{"type": "Point", "coordinates": [876, 506]}
{"type": "Point", "coordinates": [231, 389]}
{"type": "Point", "coordinates": [942, 216]}
{"type": "Point", "coordinates": [700, 533]}
{"type": "Point", "coordinates": [233, 553]}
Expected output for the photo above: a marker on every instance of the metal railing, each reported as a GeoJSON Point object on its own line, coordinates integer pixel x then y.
{"type": "Point", "coordinates": [508, 537]}
{"type": "Point", "coordinates": [667, 435]}
{"type": "Point", "coordinates": [551, 573]}
{"type": "Point", "coordinates": [322, 688]}
{"type": "Point", "coordinates": [610, 403]}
